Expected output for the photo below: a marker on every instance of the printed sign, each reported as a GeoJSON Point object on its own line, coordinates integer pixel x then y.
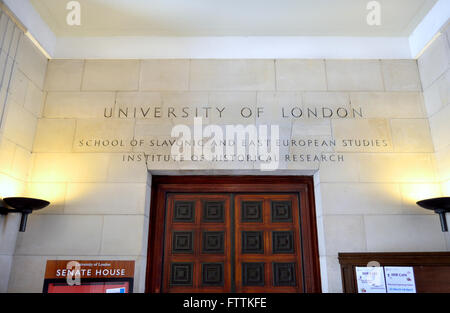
{"type": "Point", "coordinates": [100, 276]}
{"type": "Point", "coordinates": [400, 279]}
{"type": "Point", "coordinates": [370, 280]}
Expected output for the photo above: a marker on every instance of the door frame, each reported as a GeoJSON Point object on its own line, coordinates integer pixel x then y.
{"type": "Point", "coordinates": [302, 185]}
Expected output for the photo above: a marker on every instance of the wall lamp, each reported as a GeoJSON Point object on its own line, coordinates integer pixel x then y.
{"type": "Point", "coordinates": [439, 206]}
{"type": "Point", "coordinates": [22, 205]}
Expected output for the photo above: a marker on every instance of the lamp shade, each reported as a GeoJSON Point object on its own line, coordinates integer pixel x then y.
{"type": "Point", "coordinates": [435, 203]}
{"type": "Point", "coordinates": [439, 206]}
{"type": "Point", "coordinates": [22, 204]}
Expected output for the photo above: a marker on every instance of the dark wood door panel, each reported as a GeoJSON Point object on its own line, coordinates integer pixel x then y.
{"type": "Point", "coordinates": [201, 240]}
{"type": "Point", "coordinates": [268, 243]}
{"type": "Point", "coordinates": [197, 249]}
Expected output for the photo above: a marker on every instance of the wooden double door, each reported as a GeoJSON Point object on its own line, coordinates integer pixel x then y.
{"type": "Point", "coordinates": [233, 242]}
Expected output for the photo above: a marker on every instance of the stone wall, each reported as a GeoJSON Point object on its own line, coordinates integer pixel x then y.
{"type": "Point", "coordinates": [100, 203]}
{"type": "Point", "coordinates": [434, 66]}
{"type": "Point", "coordinates": [22, 74]}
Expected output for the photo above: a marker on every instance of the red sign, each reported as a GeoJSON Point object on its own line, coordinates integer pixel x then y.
{"type": "Point", "coordinates": [88, 276]}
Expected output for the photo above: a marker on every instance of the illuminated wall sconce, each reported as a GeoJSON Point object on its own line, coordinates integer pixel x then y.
{"type": "Point", "coordinates": [439, 206]}
{"type": "Point", "coordinates": [23, 205]}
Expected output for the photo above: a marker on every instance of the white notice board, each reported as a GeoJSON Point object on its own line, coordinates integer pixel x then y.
{"type": "Point", "coordinates": [400, 279]}
{"type": "Point", "coordinates": [370, 280]}
{"type": "Point", "coordinates": [390, 279]}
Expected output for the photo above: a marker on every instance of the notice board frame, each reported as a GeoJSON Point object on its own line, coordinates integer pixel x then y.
{"type": "Point", "coordinates": [425, 264]}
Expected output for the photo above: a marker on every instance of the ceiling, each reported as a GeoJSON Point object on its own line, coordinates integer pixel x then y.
{"type": "Point", "coordinates": [233, 17]}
